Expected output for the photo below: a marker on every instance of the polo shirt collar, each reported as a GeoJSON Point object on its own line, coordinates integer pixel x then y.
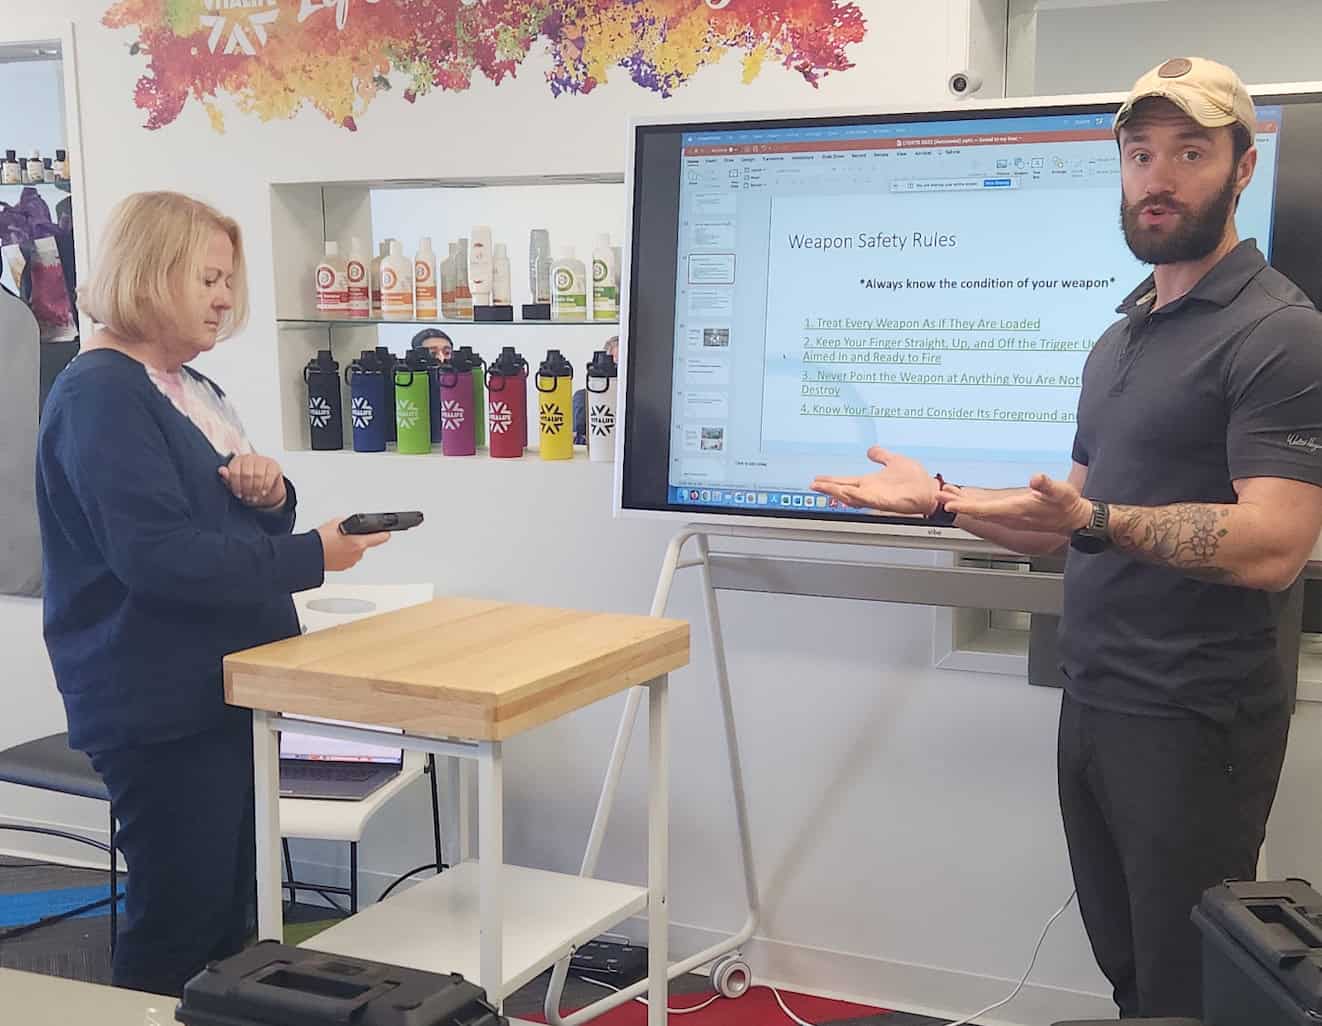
{"type": "Point", "coordinates": [1220, 285]}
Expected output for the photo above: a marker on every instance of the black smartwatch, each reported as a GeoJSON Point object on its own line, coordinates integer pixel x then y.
{"type": "Point", "coordinates": [1095, 536]}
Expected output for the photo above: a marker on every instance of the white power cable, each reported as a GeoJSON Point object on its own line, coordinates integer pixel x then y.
{"type": "Point", "coordinates": [1023, 980]}
{"type": "Point", "coordinates": [1027, 972]}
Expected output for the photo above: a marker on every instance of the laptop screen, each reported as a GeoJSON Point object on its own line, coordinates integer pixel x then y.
{"type": "Point", "coordinates": [328, 749]}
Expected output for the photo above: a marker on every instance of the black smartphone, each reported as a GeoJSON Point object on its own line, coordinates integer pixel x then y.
{"type": "Point", "coordinates": [371, 523]}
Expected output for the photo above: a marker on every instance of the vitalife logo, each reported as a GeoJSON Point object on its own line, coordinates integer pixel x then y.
{"type": "Point", "coordinates": [502, 418]}
{"type": "Point", "coordinates": [406, 413]}
{"type": "Point", "coordinates": [564, 279]}
{"type": "Point", "coordinates": [240, 23]}
{"type": "Point", "coordinates": [325, 277]}
{"type": "Point", "coordinates": [361, 412]}
{"type": "Point", "coordinates": [357, 273]}
{"type": "Point", "coordinates": [452, 414]}
{"type": "Point", "coordinates": [389, 279]}
{"type": "Point", "coordinates": [553, 418]}
{"type": "Point", "coordinates": [603, 420]}
{"type": "Point", "coordinates": [421, 272]}
{"type": "Point", "coordinates": [319, 411]}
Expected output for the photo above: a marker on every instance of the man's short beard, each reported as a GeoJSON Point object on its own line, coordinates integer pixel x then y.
{"type": "Point", "coordinates": [1197, 236]}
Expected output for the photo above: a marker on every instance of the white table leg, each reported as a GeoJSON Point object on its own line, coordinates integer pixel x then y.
{"type": "Point", "coordinates": [266, 786]}
{"type": "Point", "coordinates": [658, 851]}
{"type": "Point", "coordinates": [465, 806]}
{"type": "Point", "coordinates": [491, 861]}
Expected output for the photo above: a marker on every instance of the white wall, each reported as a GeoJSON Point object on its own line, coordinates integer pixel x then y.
{"type": "Point", "coordinates": [905, 818]}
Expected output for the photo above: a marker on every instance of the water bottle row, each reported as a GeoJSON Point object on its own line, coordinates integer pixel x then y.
{"type": "Point", "coordinates": [420, 402]}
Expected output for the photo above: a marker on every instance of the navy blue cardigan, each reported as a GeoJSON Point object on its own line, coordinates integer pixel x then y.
{"type": "Point", "coordinates": [153, 570]}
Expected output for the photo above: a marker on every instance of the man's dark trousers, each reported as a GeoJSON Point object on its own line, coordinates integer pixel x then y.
{"type": "Point", "coordinates": [1156, 810]}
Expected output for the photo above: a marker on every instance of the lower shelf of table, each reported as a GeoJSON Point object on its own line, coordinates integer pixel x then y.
{"type": "Point", "coordinates": [435, 926]}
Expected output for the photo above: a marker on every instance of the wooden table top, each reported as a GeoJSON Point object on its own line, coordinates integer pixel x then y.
{"type": "Point", "coordinates": [455, 667]}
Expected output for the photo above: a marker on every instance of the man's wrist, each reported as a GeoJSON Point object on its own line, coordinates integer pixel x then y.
{"type": "Point", "coordinates": [1082, 516]}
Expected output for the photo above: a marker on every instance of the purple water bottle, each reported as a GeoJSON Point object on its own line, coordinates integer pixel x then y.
{"type": "Point", "coordinates": [458, 415]}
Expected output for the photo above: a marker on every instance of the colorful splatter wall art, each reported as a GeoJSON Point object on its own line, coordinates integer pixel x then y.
{"type": "Point", "coordinates": [274, 57]}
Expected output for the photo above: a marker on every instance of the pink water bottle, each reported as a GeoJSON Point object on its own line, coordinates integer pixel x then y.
{"type": "Point", "coordinates": [458, 415]}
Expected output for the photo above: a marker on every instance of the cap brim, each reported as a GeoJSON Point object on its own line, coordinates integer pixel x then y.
{"type": "Point", "coordinates": [1206, 115]}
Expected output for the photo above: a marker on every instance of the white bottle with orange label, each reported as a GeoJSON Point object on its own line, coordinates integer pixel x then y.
{"type": "Point", "coordinates": [396, 284]}
{"type": "Point", "coordinates": [357, 272]}
{"type": "Point", "coordinates": [332, 287]}
{"type": "Point", "coordinates": [424, 282]}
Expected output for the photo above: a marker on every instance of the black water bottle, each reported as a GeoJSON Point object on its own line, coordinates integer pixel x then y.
{"type": "Point", "coordinates": [325, 406]}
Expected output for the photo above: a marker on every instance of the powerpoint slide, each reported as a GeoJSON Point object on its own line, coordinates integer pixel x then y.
{"type": "Point", "coordinates": [706, 406]}
{"type": "Point", "coordinates": [934, 322]}
{"type": "Point", "coordinates": [710, 302]}
{"type": "Point", "coordinates": [704, 438]}
{"type": "Point", "coordinates": [711, 268]}
{"type": "Point", "coordinates": [712, 206]}
{"type": "Point", "coordinates": [700, 370]}
{"type": "Point", "coordinates": [699, 470]}
{"type": "Point", "coordinates": [708, 338]}
{"type": "Point", "coordinates": [713, 235]}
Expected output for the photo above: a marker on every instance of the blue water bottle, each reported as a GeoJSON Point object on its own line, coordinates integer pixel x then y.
{"type": "Point", "coordinates": [367, 402]}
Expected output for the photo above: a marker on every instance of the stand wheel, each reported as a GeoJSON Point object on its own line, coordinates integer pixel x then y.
{"type": "Point", "coordinates": [731, 976]}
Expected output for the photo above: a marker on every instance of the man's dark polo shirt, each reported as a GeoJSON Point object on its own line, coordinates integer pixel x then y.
{"type": "Point", "coordinates": [1176, 404]}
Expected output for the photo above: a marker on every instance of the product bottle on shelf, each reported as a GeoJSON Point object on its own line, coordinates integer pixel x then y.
{"type": "Point", "coordinates": [61, 165]}
{"type": "Point", "coordinates": [332, 284]}
{"type": "Point", "coordinates": [33, 169]}
{"type": "Point", "coordinates": [605, 281]}
{"type": "Point", "coordinates": [569, 297]}
{"type": "Point", "coordinates": [458, 414]}
{"type": "Point", "coordinates": [539, 265]}
{"type": "Point", "coordinates": [325, 410]}
{"type": "Point", "coordinates": [424, 282]}
{"type": "Point", "coordinates": [463, 295]}
{"type": "Point", "coordinates": [500, 277]}
{"type": "Point", "coordinates": [413, 404]}
{"type": "Point", "coordinates": [507, 403]}
{"type": "Point", "coordinates": [367, 402]}
{"type": "Point", "coordinates": [555, 400]}
{"type": "Point", "coordinates": [465, 359]}
{"type": "Point", "coordinates": [358, 279]}
{"type": "Point", "coordinates": [388, 360]}
{"type": "Point", "coordinates": [10, 171]}
{"type": "Point", "coordinates": [396, 284]}
{"type": "Point", "coordinates": [480, 265]}
{"type": "Point", "coordinates": [449, 283]}
{"type": "Point", "coordinates": [601, 393]}
{"type": "Point", "coordinates": [383, 251]}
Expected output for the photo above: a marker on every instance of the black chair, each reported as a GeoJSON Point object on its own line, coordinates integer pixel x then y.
{"type": "Point", "coordinates": [49, 764]}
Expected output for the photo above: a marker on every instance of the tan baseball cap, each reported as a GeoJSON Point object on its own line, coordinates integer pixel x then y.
{"type": "Point", "coordinates": [1208, 92]}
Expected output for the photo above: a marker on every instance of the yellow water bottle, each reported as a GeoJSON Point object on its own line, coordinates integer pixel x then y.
{"type": "Point", "coordinates": [555, 407]}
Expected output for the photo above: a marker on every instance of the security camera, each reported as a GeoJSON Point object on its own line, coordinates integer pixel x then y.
{"type": "Point", "coordinates": [964, 83]}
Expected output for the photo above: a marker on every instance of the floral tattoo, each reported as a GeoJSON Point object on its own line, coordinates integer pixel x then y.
{"type": "Point", "coordinates": [1186, 537]}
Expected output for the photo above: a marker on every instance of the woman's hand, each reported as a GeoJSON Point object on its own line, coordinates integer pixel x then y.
{"type": "Point", "coordinates": [341, 551]}
{"type": "Point", "coordinates": [902, 487]}
{"type": "Point", "coordinates": [255, 480]}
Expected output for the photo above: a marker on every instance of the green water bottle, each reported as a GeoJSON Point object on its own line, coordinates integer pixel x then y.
{"type": "Point", "coordinates": [412, 404]}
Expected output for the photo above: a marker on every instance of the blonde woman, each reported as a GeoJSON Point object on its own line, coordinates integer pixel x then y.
{"type": "Point", "coordinates": [168, 543]}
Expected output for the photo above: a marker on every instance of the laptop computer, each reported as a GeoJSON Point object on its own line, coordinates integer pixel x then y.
{"type": "Point", "coordinates": [326, 768]}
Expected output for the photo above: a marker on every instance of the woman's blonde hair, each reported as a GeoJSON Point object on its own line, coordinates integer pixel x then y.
{"type": "Point", "coordinates": [153, 247]}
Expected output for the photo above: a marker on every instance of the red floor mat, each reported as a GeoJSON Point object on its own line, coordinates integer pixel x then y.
{"type": "Point", "coordinates": [756, 1008]}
